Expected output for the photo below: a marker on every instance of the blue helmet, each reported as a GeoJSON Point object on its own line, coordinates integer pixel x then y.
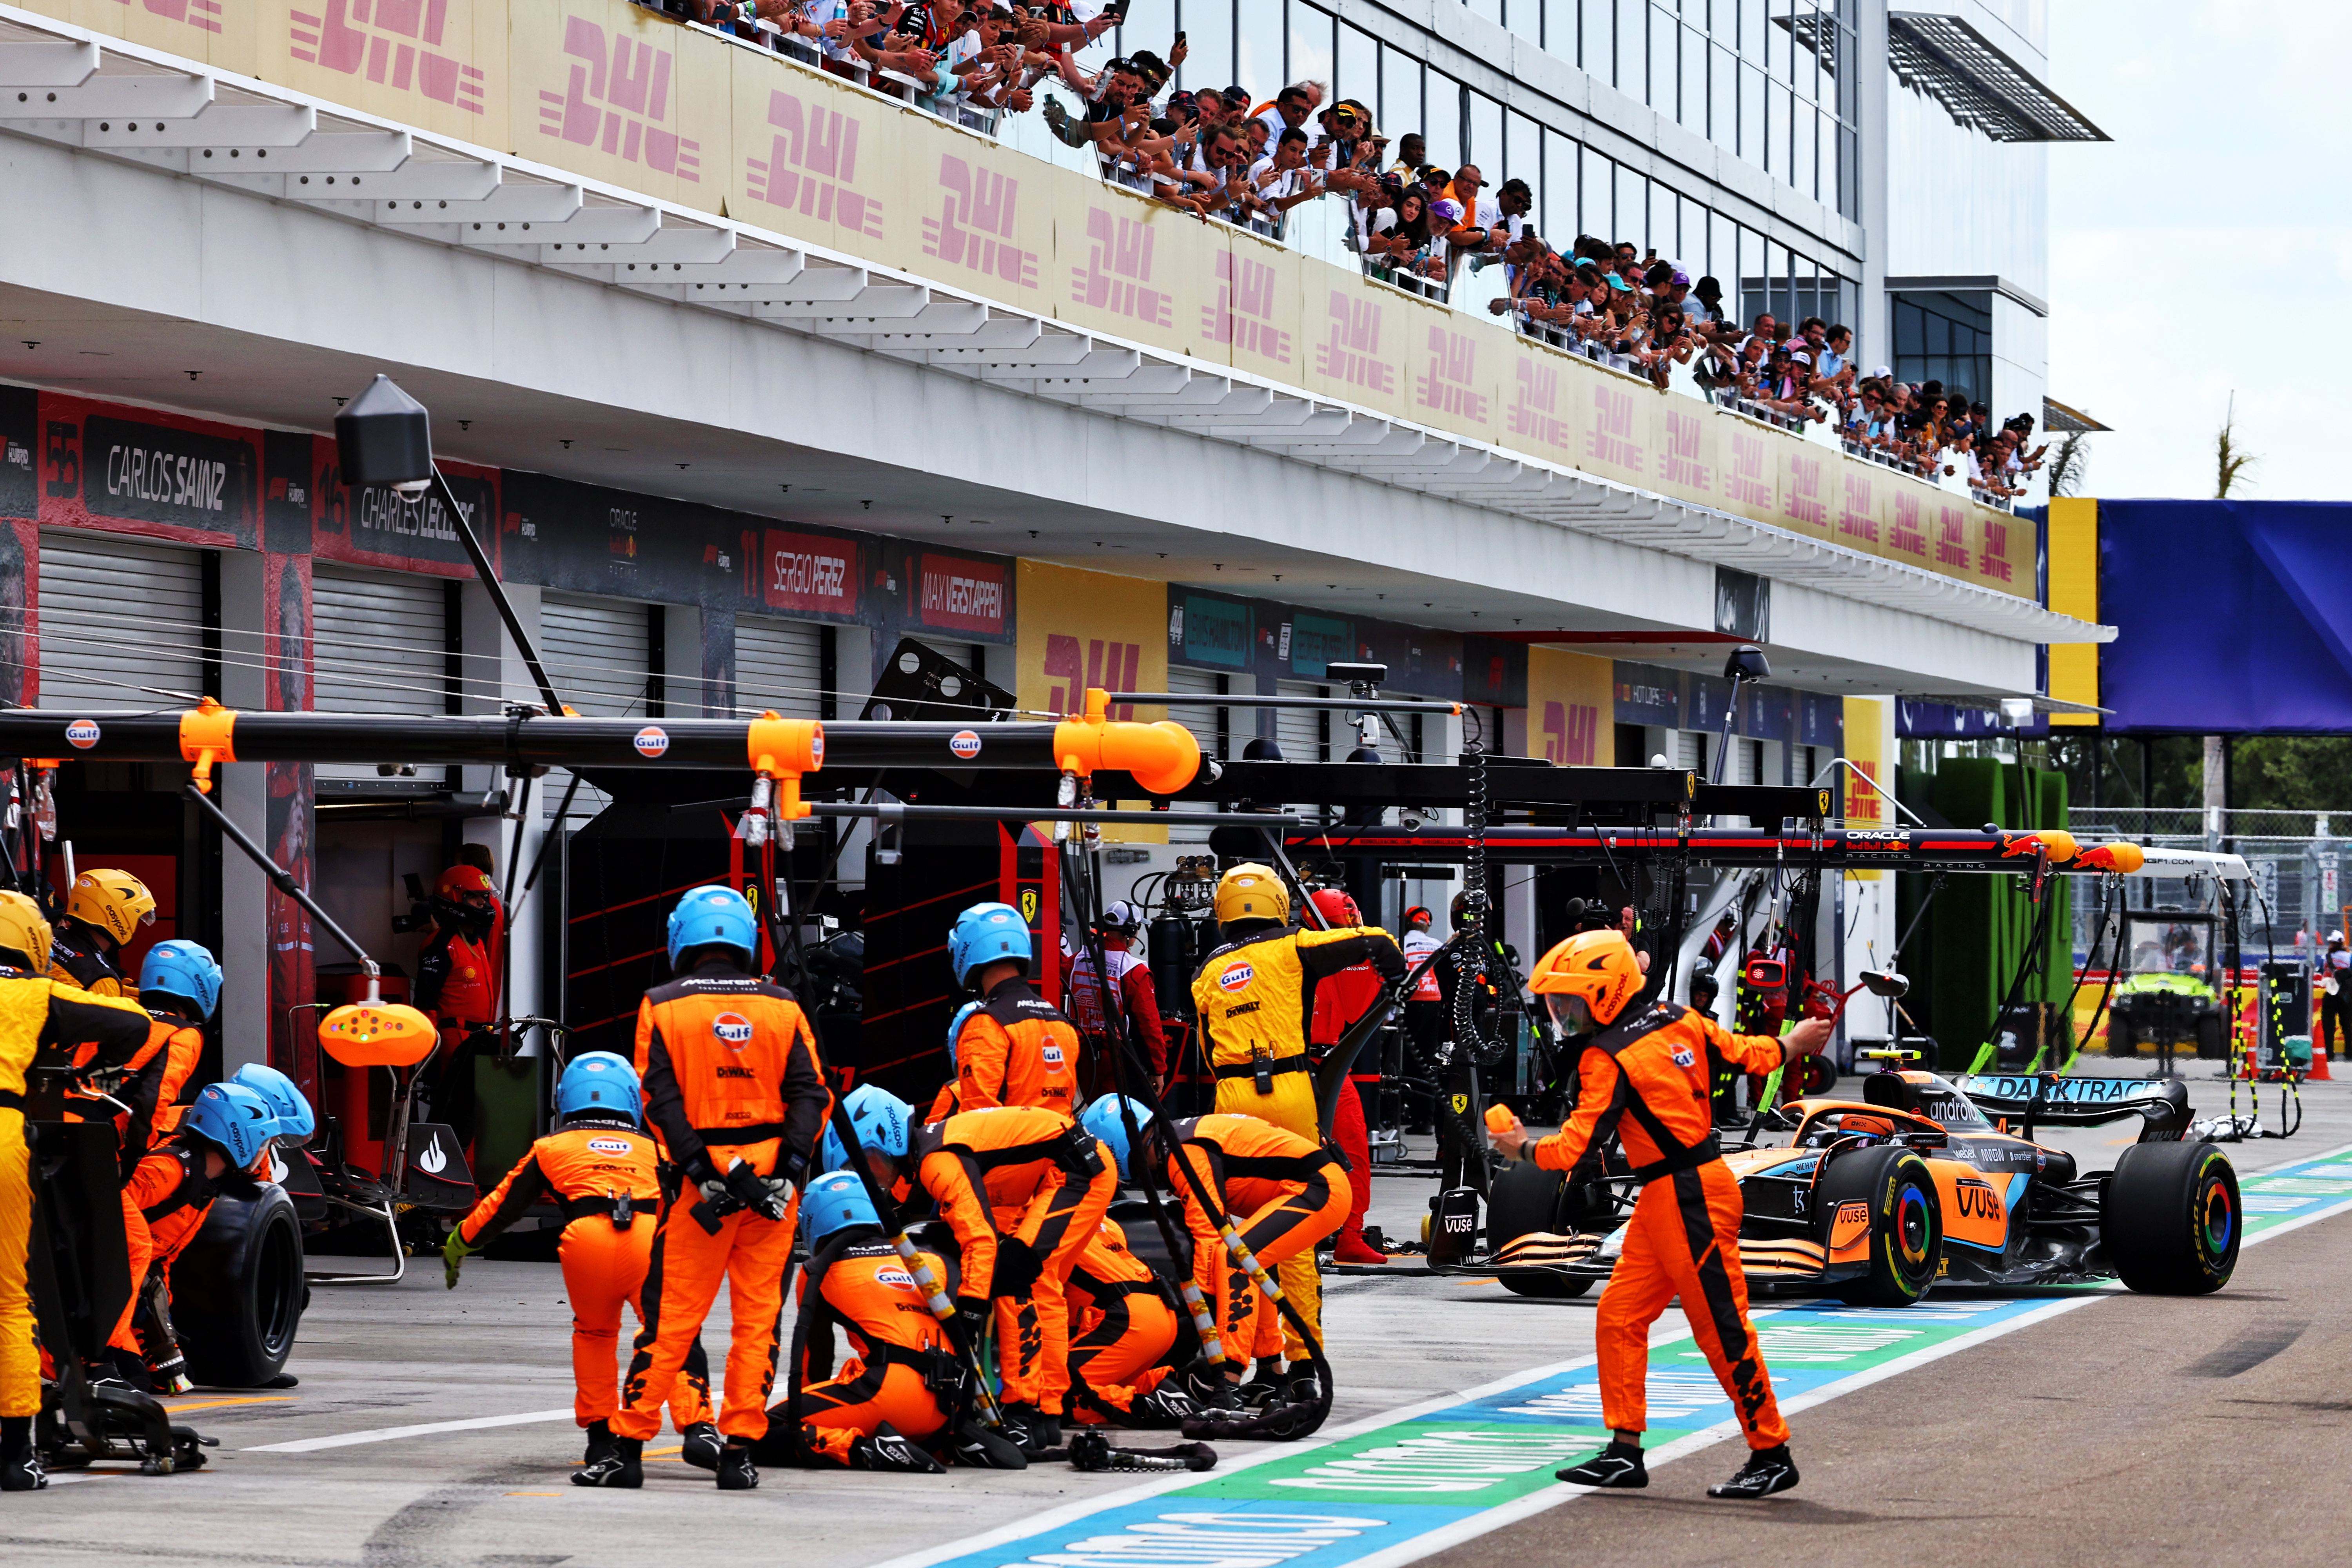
{"type": "Point", "coordinates": [713, 914]}
{"type": "Point", "coordinates": [955, 1028]}
{"type": "Point", "coordinates": [237, 1118]}
{"type": "Point", "coordinates": [881, 1120]}
{"type": "Point", "coordinates": [600, 1081]}
{"type": "Point", "coordinates": [989, 934]}
{"type": "Point", "coordinates": [1104, 1120]}
{"type": "Point", "coordinates": [295, 1122]}
{"type": "Point", "coordinates": [832, 1202]}
{"type": "Point", "coordinates": [183, 968]}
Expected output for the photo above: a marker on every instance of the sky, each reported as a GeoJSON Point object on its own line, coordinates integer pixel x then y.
{"type": "Point", "coordinates": [2201, 251]}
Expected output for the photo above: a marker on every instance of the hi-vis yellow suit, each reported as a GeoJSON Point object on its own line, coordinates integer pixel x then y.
{"type": "Point", "coordinates": [1256, 1001]}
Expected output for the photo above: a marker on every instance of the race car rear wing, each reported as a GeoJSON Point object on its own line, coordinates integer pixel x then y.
{"type": "Point", "coordinates": [2085, 1102]}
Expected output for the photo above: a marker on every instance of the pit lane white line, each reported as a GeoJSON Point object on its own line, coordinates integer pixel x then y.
{"type": "Point", "coordinates": [387, 1434]}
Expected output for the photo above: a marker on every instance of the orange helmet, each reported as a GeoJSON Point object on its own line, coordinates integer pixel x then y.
{"type": "Point", "coordinates": [1338, 908]}
{"type": "Point", "coordinates": [460, 880]}
{"type": "Point", "coordinates": [1593, 972]}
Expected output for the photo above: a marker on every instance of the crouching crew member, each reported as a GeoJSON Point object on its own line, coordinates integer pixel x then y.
{"type": "Point", "coordinates": [35, 1011]}
{"type": "Point", "coordinates": [900, 1388]}
{"type": "Point", "coordinates": [1121, 1354]}
{"type": "Point", "coordinates": [1648, 1066]}
{"type": "Point", "coordinates": [599, 1169]}
{"type": "Point", "coordinates": [1283, 1194]}
{"type": "Point", "coordinates": [1010, 1048]}
{"type": "Point", "coordinates": [1255, 997]}
{"type": "Point", "coordinates": [222, 1146]}
{"type": "Point", "coordinates": [1022, 1188]}
{"type": "Point", "coordinates": [734, 1087]}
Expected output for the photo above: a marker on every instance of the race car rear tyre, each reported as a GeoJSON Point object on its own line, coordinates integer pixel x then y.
{"type": "Point", "coordinates": [1907, 1222]}
{"type": "Point", "coordinates": [238, 1292]}
{"type": "Point", "coordinates": [1526, 1198]}
{"type": "Point", "coordinates": [2172, 1221]}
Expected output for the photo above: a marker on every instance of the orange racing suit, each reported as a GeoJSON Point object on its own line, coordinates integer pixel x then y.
{"type": "Point", "coordinates": [1126, 1326]}
{"type": "Point", "coordinates": [1028, 1174]}
{"type": "Point", "coordinates": [1645, 1079]}
{"type": "Point", "coordinates": [1015, 1049]}
{"type": "Point", "coordinates": [730, 1071]}
{"type": "Point", "coordinates": [1284, 1194]}
{"type": "Point", "coordinates": [587, 1168]}
{"type": "Point", "coordinates": [899, 1359]}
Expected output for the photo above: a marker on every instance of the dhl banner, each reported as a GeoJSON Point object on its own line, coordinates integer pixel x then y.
{"type": "Point", "coordinates": [1081, 629]}
{"type": "Point", "coordinates": [1571, 712]}
{"type": "Point", "coordinates": [1869, 746]}
{"type": "Point", "coordinates": [614, 92]}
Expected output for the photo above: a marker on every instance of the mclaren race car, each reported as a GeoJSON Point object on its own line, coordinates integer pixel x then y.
{"type": "Point", "coordinates": [1877, 1200]}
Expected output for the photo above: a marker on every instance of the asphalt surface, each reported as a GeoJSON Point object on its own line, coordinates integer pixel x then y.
{"type": "Point", "coordinates": [2132, 1428]}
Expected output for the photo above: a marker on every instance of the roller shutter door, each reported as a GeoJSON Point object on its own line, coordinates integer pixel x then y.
{"type": "Point", "coordinates": [779, 665]}
{"type": "Point", "coordinates": [1300, 731]}
{"type": "Point", "coordinates": [1200, 717]}
{"type": "Point", "coordinates": [598, 651]}
{"type": "Point", "coordinates": [380, 646]}
{"type": "Point", "coordinates": [117, 615]}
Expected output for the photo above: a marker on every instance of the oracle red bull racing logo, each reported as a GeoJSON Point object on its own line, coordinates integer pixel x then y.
{"type": "Point", "coordinates": [733, 1028]}
{"type": "Point", "coordinates": [1235, 976]}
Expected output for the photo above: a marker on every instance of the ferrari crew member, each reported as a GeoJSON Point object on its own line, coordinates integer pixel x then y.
{"type": "Point", "coordinates": [598, 1168]}
{"type": "Point", "coordinates": [104, 909]}
{"type": "Point", "coordinates": [458, 983]}
{"type": "Point", "coordinates": [1643, 1075]}
{"type": "Point", "coordinates": [1022, 1188]}
{"type": "Point", "coordinates": [1124, 1328]}
{"type": "Point", "coordinates": [35, 1011]}
{"type": "Point", "coordinates": [733, 1085]}
{"type": "Point", "coordinates": [1340, 1001]}
{"type": "Point", "coordinates": [902, 1382]}
{"type": "Point", "coordinates": [1138, 1001]}
{"type": "Point", "coordinates": [1253, 998]}
{"type": "Point", "coordinates": [1283, 1194]}
{"type": "Point", "coordinates": [1010, 1048]}
{"type": "Point", "coordinates": [1424, 1009]}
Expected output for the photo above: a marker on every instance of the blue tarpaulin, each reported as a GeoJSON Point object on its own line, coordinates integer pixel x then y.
{"type": "Point", "coordinates": [2231, 617]}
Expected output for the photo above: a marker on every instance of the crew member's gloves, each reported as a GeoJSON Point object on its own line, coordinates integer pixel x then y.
{"type": "Point", "coordinates": [975, 1316]}
{"type": "Point", "coordinates": [454, 1253]}
{"type": "Point", "coordinates": [1017, 1267]}
{"type": "Point", "coordinates": [751, 1190]}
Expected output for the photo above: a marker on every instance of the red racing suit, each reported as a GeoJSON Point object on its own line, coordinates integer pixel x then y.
{"type": "Point", "coordinates": [1138, 1000]}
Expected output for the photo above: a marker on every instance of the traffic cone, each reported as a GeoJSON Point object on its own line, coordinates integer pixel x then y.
{"type": "Point", "coordinates": [2319, 1073]}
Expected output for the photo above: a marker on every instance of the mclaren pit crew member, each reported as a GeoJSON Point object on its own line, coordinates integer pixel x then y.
{"type": "Point", "coordinates": [1340, 1001]}
{"type": "Point", "coordinates": [1012, 1046]}
{"type": "Point", "coordinates": [222, 1146]}
{"type": "Point", "coordinates": [1126, 1327]}
{"type": "Point", "coordinates": [902, 1384]}
{"type": "Point", "coordinates": [734, 1087]}
{"type": "Point", "coordinates": [104, 909]}
{"type": "Point", "coordinates": [1136, 1000]}
{"type": "Point", "coordinates": [35, 1011]}
{"type": "Point", "coordinates": [1283, 1193]}
{"type": "Point", "coordinates": [457, 984]}
{"type": "Point", "coordinates": [1023, 1189]}
{"type": "Point", "coordinates": [599, 1169]}
{"type": "Point", "coordinates": [1254, 998]}
{"type": "Point", "coordinates": [180, 985]}
{"type": "Point", "coordinates": [1642, 1074]}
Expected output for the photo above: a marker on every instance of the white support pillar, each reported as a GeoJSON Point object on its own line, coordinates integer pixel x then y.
{"type": "Point", "coordinates": [243, 791]}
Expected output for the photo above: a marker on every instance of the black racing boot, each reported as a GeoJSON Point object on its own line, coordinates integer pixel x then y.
{"type": "Point", "coordinates": [600, 1442]}
{"type": "Point", "coordinates": [623, 1466]}
{"type": "Point", "coordinates": [736, 1471]}
{"type": "Point", "coordinates": [701, 1445]}
{"type": "Point", "coordinates": [1162, 1409]}
{"type": "Point", "coordinates": [1768, 1471]}
{"type": "Point", "coordinates": [1031, 1428]}
{"type": "Point", "coordinates": [1618, 1465]}
{"type": "Point", "coordinates": [888, 1450]}
{"type": "Point", "coordinates": [20, 1466]}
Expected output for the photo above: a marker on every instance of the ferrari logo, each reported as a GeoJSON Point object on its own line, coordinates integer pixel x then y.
{"type": "Point", "coordinates": [1029, 904]}
{"type": "Point", "coordinates": [1460, 1105]}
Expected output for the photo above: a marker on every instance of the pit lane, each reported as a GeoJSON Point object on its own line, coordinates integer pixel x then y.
{"type": "Point", "coordinates": [432, 1428]}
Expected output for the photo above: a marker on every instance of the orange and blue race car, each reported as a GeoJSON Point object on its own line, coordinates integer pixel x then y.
{"type": "Point", "coordinates": [1923, 1179]}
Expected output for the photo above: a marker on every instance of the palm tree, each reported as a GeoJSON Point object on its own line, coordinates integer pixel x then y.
{"type": "Point", "coordinates": [2232, 461]}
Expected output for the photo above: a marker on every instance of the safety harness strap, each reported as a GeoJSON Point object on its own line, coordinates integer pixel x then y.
{"type": "Point", "coordinates": [758, 1132]}
{"type": "Point", "coordinates": [1275, 1069]}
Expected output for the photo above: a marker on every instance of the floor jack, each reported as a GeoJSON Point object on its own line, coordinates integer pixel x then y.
{"type": "Point", "coordinates": [81, 1279]}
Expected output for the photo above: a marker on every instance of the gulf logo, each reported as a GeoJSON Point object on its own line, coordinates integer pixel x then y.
{"type": "Point", "coordinates": [965, 743]}
{"type": "Point", "coordinates": [816, 748]}
{"type": "Point", "coordinates": [82, 733]}
{"type": "Point", "coordinates": [612, 1146]}
{"type": "Point", "coordinates": [1235, 976]}
{"type": "Point", "coordinates": [651, 741]}
{"type": "Point", "coordinates": [732, 1027]}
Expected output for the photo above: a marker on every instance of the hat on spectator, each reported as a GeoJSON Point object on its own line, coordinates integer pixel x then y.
{"type": "Point", "coordinates": [1617, 283]}
{"type": "Point", "coordinates": [1882, 373]}
{"type": "Point", "coordinates": [1238, 96]}
{"type": "Point", "coordinates": [1447, 208]}
{"type": "Point", "coordinates": [1680, 279]}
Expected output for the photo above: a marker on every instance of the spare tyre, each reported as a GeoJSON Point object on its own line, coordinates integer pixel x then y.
{"type": "Point", "coordinates": [2172, 1220]}
{"type": "Point", "coordinates": [237, 1290]}
{"type": "Point", "coordinates": [1526, 1198]}
{"type": "Point", "coordinates": [1906, 1222]}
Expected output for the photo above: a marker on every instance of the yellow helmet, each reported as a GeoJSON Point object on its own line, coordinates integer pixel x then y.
{"type": "Point", "coordinates": [116, 902]}
{"type": "Point", "coordinates": [23, 928]}
{"type": "Point", "coordinates": [1251, 892]}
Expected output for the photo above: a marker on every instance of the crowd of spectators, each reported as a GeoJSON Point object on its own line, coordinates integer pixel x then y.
{"type": "Point", "coordinates": [1222, 153]}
